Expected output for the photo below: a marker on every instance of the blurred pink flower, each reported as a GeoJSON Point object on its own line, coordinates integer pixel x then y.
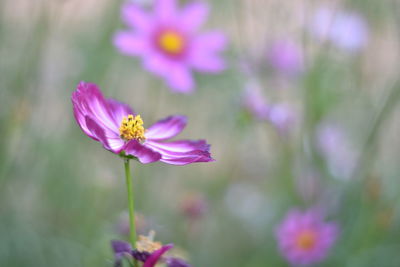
{"type": "Point", "coordinates": [194, 206]}
{"type": "Point", "coordinates": [304, 238]}
{"type": "Point", "coordinates": [168, 42]}
{"type": "Point", "coordinates": [286, 57]}
{"type": "Point", "coordinates": [280, 115]}
{"type": "Point", "coordinates": [346, 30]}
{"type": "Point", "coordinates": [254, 101]}
{"type": "Point", "coordinates": [120, 131]}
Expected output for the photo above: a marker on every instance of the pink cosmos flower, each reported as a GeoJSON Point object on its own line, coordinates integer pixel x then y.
{"type": "Point", "coordinates": [121, 131]}
{"type": "Point", "coordinates": [304, 238]}
{"type": "Point", "coordinates": [168, 42]}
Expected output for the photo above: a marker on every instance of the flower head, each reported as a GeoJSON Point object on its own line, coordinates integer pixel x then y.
{"type": "Point", "coordinates": [147, 251]}
{"type": "Point", "coordinates": [168, 42]}
{"type": "Point", "coordinates": [304, 238]}
{"type": "Point", "coordinates": [122, 132]}
{"type": "Point", "coordinates": [286, 57]}
{"type": "Point", "coordinates": [346, 30]}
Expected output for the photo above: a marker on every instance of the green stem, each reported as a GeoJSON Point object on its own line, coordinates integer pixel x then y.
{"type": "Point", "coordinates": [131, 203]}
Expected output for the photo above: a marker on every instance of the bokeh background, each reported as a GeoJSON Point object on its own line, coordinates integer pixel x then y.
{"type": "Point", "coordinates": [62, 196]}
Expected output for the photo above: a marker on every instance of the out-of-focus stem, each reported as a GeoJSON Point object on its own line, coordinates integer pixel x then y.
{"type": "Point", "coordinates": [370, 142]}
{"type": "Point", "coordinates": [131, 203]}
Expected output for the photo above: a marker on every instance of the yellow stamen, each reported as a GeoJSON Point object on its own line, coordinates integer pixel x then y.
{"type": "Point", "coordinates": [132, 128]}
{"type": "Point", "coordinates": [171, 42]}
{"type": "Point", "coordinates": [146, 243]}
{"type": "Point", "coordinates": [306, 240]}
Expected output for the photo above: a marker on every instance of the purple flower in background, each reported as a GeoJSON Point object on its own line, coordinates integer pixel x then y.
{"type": "Point", "coordinates": [304, 238]}
{"type": "Point", "coordinates": [147, 251]}
{"type": "Point", "coordinates": [254, 101]}
{"type": "Point", "coordinates": [168, 42]}
{"type": "Point", "coordinates": [280, 115]}
{"type": "Point", "coordinates": [175, 262]}
{"type": "Point", "coordinates": [124, 250]}
{"type": "Point", "coordinates": [286, 57]}
{"type": "Point", "coordinates": [121, 131]}
{"type": "Point", "coordinates": [346, 30]}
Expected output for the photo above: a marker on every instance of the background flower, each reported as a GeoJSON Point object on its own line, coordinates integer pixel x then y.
{"type": "Point", "coordinates": [169, 43]}
{"type": "Point", "coordinates": [304, 238]}
{"type": "Point", "coordinates": [345, 29]}
{"type": "Point", "coordinates": [286, 57]}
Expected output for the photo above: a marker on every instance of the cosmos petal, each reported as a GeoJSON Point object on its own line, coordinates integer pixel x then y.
{"type": "Point", "coordinates": [166, 128]}
{"type": "Point", "coordinates": [130, 44]}
{"type": "Point", "coordinates": [96, 132]}
{"type": "Point", "coordinates": [136, 17]}
{"type": "Point", "coordinates": [180, 79]}
{"type": "Point", "coordinates": [213, 41]}
{"type": "Point", "coordinates": [155, 256]}
{"type": "Point", "coordinates": [193, 15]}
{"type": "Point", "coordinates": [165, 10]}
{"type": "Point", "coordinates": [88, 100]}
{"type": "Point", "coordinates": [204, 53]}
{"type": "Point", "coordinates": [182, 152]}
{"type": "Point", "coordinates": [144, 154]}
{"type": "Point", "coordinates": [119, 110]}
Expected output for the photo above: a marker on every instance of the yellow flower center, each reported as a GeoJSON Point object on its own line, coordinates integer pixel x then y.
{"type": "Point", "coordinates": [146, 243]}
{"type": "Point", "coordinates": [132, 128]}
{"type": "Point", "coordinates": [306, 240]}
{"type": "Point", "coordinates": [171, 42]}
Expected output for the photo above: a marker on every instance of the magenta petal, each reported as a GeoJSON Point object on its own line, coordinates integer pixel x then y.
{"type": "Point", "coordinates": [192, 157]}
{"type": "Point", "coordinates": [166, 128]}
{"type": "Point", "coordinates": [211, 41]}
{"type": "Point", "coordinates": [118, 110]}
{"type": "Point", "coordinates": [207, 63]}
{"type": "Point", "coordinates": [182, 152]}
{"type": "Point", "coordinates": [96, 132]}
{"type": "Point", "coordinates": [130, 44]}
{"type": "Point", "coordinates": [180, 79]}
{"type": "Point", "coordinates": [157, 64]}
{"type": "Point", "coordinates": [181, 146]}
{"type": "Point", "coordinates": [109, 140]}
{"type": "Point", "coordinates": [97, 117]}
{"type": "Point", "coordinates": [144, 154]}
{"type": "Point", "coordinates": [204, 53]}
{"type": "Point", "coordinates": [194, 15]}
{"type": "Point", "coordinates": [155, 256]}
{"type": "Point", "coordinates": [166, 9]}
{"type": "Point", "coordinates": [89, 101]}
{"type": "Point", "coordinates": [136, 17]}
